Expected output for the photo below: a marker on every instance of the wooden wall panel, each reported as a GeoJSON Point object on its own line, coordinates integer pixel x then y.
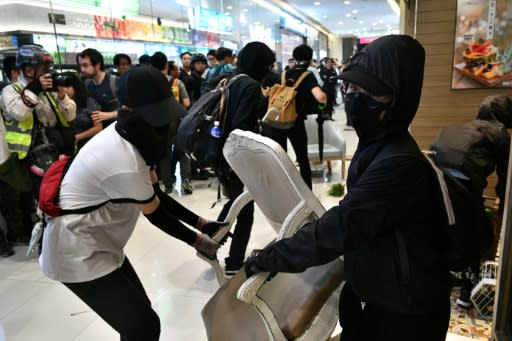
{"type": "Point", "coordinates": [441, 106]}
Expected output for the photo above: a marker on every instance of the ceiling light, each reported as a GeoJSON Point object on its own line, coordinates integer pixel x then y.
{"type": "Point", "coordinates": [381, 21]}
{"type": "Point", "coordinates": [245, 10]}
{"type": "Point", "coordinates": [394, 6]}
{"type": "Point", "coordinates": [341, 22]}
{"type": "Point", "coordinates": [316, 3]}
{"type": "Point", "coordinates": [374, 24]}
{"type": "Point", "coordinates": [348, 15]}
{"type": "Point", "coordinates": [325, 16]}
{"type": "Point", "coordinates": [227, 13]}
{"type": "Point", "coordinates": [361, 22]}
{"type": "Point", "coordinates": [346, 2]}
{"type": "Point", "coordinates": [257, 23]}
{"type": "Point", "coordinates": [354, 11]}
{"type": "Point", "coordinates": [229, 7]}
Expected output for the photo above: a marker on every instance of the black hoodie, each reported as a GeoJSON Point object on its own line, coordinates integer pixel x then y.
{"type": "Point", "coordinates": [387, 225]}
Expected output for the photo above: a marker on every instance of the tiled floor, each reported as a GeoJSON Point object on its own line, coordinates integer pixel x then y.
{"type": "Point", "coordinates": [33, 307]}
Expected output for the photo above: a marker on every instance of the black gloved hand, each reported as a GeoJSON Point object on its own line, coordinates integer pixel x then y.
{"type": "Point", "coordinates": [212, 226]}
{"type": "Point", "coordinates": [253, 267]}
{"type": "Point", "coordinates": [35, 86]}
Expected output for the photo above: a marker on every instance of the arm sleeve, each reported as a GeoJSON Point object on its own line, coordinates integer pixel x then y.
{"type": "Point", "coordinates": [366, 213]}
{"type": "Point", "coordinates": [14, 107]}
{"type": "Point", "coordinates": [163, 218]}
{"type": "Point", "coordinates": [183, 91]}
{"type": "Point", "coordinates": [180, 211]}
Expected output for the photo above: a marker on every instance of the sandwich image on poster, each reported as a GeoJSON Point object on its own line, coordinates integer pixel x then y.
{"type": "Point", "coordinates": [483, 44]}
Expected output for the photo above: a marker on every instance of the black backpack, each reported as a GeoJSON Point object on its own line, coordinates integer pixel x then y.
{"type": "Point", "coordinates": [467, 232]}
{"type": "Point", "coordinates": [193, 136]}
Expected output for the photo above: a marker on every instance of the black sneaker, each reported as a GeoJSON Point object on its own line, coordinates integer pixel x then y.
{"type": "Point", "coordinates": [464, 299]}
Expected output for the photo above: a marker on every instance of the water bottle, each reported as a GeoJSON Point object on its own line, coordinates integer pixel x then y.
{"type": "Point", "coordinates": [216, 131]}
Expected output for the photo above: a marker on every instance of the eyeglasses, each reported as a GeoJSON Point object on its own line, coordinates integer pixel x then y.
{"type": "Point", "coordinates": [349, 88]}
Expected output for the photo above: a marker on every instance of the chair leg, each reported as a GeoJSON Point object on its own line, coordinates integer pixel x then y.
{"type": "Point", "coordinates": [329, 167]}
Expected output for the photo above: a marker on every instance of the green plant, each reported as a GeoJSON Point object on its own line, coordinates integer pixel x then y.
{"type": "Point", "coordinates": [336, 190]}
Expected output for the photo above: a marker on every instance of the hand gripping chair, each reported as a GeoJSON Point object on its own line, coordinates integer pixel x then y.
{"type": "Point", "coordinates": [300, 306]}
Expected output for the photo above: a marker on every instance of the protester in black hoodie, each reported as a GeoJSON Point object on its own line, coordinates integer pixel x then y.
{"type": "Point", "coordinates": [387, 227]}
{"type": "Point", "coordinates": [255, 61]}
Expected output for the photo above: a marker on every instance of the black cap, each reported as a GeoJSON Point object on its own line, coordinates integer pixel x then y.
{"type": "Point", "coordinates": [364, 79]}
{"type": "Point", "coordinates": [146, 90]}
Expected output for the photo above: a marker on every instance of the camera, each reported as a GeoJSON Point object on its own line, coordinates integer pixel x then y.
{"type": "Point", "coordinates": [58, 79]}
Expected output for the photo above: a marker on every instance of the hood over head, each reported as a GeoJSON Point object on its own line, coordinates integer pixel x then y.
{"type": "Point", "coordinates": [255, 60]}
{"type": "Point", "coordinates": [392, 64]}
{"type": "Point", "coordinates": [496, 107]}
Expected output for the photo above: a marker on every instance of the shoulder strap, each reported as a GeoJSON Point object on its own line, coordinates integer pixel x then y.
{"type": "Point", "coordinates": [283, 78]}
{"type": "Point", "coordinates": [301, 78]}
{"type": "Point", "coordinates": [113, 85]}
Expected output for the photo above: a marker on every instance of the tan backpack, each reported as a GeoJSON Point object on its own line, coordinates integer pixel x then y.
{"type": "Point", "coordinates": [281, 111]}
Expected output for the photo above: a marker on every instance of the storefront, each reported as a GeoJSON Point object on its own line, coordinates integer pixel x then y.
{"type": "Point", "coordinates": [126, 27]}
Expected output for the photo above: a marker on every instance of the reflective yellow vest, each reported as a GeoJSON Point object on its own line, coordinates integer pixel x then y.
{"type": "Point", "coordinates": [19, 133]}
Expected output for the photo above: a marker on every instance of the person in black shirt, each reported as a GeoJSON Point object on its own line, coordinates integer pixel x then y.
{"type": "Point", "coordinates": [309, 94]}
{"type": "Point", "coordinates": [255, 61]}
{"type": "Point", "coordinates": [387, 226]}
{"type": "Point", "coordinates": [100, 85]}
{"type": "Point", "coordinates": [330, 78]}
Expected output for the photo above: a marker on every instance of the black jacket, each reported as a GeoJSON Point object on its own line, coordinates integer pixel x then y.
{"type": "Point", "coordinates": [476, 149]}
{"type": "Point", "coordinates": [387, 226]}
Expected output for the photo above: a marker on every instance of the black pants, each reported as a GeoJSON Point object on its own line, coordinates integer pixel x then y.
{"type": "Point", "coordinates": [243, 226]}
{"type": "Point", "coordinates": [299, 141]}
{"type": "Point", "coordinates": [373, 323]}
{"type": "Point", "coordinates": [120, 300]}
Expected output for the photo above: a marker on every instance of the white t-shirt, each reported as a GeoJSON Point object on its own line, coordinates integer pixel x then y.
{"type": "Point", "coordinates": [83, 247]}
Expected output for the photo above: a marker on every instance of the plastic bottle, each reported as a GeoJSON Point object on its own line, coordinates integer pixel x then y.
{"type": "Point", "coordinates": [216, 131]}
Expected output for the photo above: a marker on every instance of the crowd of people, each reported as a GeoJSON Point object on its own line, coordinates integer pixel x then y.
{"type": "Point", "coordinates": [121, 129]}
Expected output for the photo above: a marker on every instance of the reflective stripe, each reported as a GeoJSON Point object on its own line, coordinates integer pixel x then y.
{"type": "Point", "coordinates": [19, 136]}
{"type": "Point", "coordinates": [19, 133]}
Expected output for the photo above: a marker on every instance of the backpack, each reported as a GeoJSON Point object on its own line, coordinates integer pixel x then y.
{"type": "Point", "coordinates": [49, 190]}
{"type": "Point", "coordinates": [467, 232]}
{"type": "Point", "coordinates": [281, 110]}
{"type": "Point", "coordinates": [193, 136]}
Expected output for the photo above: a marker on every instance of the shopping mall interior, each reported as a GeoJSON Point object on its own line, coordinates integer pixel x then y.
{"type": "Point", "coordinates": [181, 285]}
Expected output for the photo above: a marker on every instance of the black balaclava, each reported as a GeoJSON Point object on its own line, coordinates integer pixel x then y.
{"type": "Point", "coordinates": [151, 142]}
{"type": "Point", "coordinates": [397, 61]}
{"type": "Point", "coordinates": [255, 60]}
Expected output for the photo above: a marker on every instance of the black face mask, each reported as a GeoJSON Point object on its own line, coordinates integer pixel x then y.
{"type": "Point", "coordinates": [364, 113]}
{"type": "Point", "coordinates": [152, 142]}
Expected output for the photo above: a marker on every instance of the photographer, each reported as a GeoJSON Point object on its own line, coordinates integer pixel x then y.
{"type": "Point", "coordinates": [35, 117]}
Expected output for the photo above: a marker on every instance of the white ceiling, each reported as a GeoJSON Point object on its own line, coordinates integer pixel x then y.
{"type": "Point", "coordinates": [358, 17]}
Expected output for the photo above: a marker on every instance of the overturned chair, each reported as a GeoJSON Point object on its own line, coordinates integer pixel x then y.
{"type": "Point", "coordinates": [335, 146]}
{"type": "Point", "coordinates": [301, 306]}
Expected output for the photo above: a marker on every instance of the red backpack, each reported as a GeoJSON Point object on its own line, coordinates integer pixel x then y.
{"type": "Point", "coordinates": [50, 186]}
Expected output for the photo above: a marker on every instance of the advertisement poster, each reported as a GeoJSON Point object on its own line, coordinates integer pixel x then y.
{"type": "Point", "coordinates": [483, 44]}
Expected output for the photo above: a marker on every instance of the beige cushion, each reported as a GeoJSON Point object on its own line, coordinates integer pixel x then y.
{"type": "Point", "coordinates": [295, 300]}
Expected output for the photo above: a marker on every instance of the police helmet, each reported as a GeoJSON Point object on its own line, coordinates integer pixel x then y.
{"type": "Point", "coordinates": [32, 55]}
